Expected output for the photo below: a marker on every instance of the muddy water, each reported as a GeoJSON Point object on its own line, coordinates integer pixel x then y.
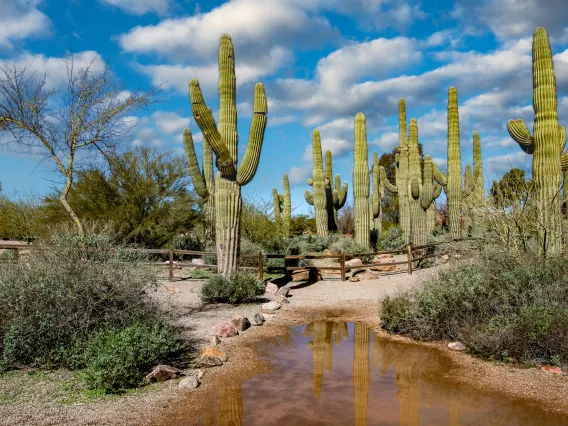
{"type": "Point", "coordinates": [331, 373]}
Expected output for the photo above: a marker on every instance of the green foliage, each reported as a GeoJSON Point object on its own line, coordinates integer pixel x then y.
{"type": "Point", "coordinates": [302, 224]}
{"type": "Point", "coordinates": [496, 304]}
{"type": "Point", "coordinates": [23, 217]}
{"type": "Point", "coordinates": [116, 359]}
{"type": "Point", "coordinates": [391, 239]}
{"type": "Point", "coordinates": [239, 288]}
{"type": "Point", "coordinates": [64, 293]}
{"type": "Point", "coordinates": [143, 197]}
{"type": "Point", "coordinates": [510, 189]}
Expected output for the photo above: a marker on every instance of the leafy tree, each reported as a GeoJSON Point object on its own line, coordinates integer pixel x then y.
{"type": "Point", "coordinates": [512, 188]}
{"type": "Point", "coordinates": [22, 217]}
{"type": "Point", "coordinates": [143, 196]}
{"type": "Point", "coordinates": [302, 224]}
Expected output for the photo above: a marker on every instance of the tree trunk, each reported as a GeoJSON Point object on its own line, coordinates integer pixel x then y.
{"type": "Point", "coordinates": [63, 198]}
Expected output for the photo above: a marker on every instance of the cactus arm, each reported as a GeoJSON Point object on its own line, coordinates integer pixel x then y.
{"type": "Point", "coordinates": [564, 161]}
{"type": "Point", "coordinates": [414, 188]}
{"type": "Point", "coordinates": [440, 177]}
{"type": "Point", "coordinates": [562, 135]}
{"type": "Point", "coordinates": [389, 186]}
{"type": "Point", "coordinates": [521, 134]}
{"type": "Point", "coordinates": [309, 197]}
{"type": "Point", "coordinates": [310, 181]}
{"type": "Point", "coordinates": [204, 119]}
{"type": "Point", "coordinates": [427, 190]}
{"type": "Point", "coordinates": [437, 190]}
{"type": "Point", "coordinates": [228, 96]}
{"type": "Point", "coordinates": [328, 166]}
{"type": "Point", "coordinates": [248, 167]}
{"type": "Point", "coordinates": [469, 182]}
{"type": "Point", "coordinates": [341, 192]}
{"type": "Point", "coordinates": [276, 202]}
{"type": "Point", "coordinates": [196, 177]}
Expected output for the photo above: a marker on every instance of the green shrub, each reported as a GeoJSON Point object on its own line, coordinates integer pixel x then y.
{"type": "Point", "coordinates": [117, 359]}
{"type": "Point", "coordinates": [346, 245]}
{"type": "Point", "coordinates": [391, 239]}
{"type": "Point", "coordinates": [499, 305]}
{"type": "Point", "coordinates": [64, 293]}
{"type": "Point", "coordinates": [240, 288]}
{"type": "Point", "coordinates": [187, 242]}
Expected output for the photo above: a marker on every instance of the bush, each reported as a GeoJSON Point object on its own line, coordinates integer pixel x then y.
{"type": "Point", "coordinates": [67, 292]}
{"type": "Point", "coordinates": [499, 305]}
{"type": "Point", "coordinates": [347, 245]}
{"type": "Point", "coordinates": [187, 242]}
{"type": "Point", "coordinates": [240, 288]}
{"type": "Point", "coordinates": [391, 239]}
{"type": "Point", "coordinates": [116, 359]}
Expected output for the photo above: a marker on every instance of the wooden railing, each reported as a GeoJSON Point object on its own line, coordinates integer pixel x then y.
{"type": "Point", "coordinates": [171, 253]}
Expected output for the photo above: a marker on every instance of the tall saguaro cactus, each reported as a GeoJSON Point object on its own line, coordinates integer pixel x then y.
{"type": "Point", "coordinates": [223, 139]}
{"type": "Point", "coordinates": [336, 194]}
{"type": "Point", "coordinates": [545, 145]}
{"type": "Point", "coordinates": [361, 182]}
{"type": "Point", "coordinates": [283, 206]}
{"type": "Point", "coordinates": [454, 181]}
{"type": "Point", "coordinates": [318, 198]}
{"type": "Point", "coordinates": [203, 182]}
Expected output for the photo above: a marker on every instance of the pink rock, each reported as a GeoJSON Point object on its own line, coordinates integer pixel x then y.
{"type": "Point", "coordinates": [353, 262]}
{"type": "Point", "coordinates": [161, 373]}
{"type": "Point", "coordinates": [224, 329]}
{"type": "Point", "coordinates": [457, 346]}
{"type": "Point", "coordinates": [550, 369]}
{"type": "Point", "coordinates": [270, 290]}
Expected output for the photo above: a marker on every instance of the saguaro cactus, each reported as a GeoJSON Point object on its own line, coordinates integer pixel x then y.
{"type": "Point", "coordinates": [479, 188]}
{"type": "Point", "coordinates": [223, 139]}
{"type": "Point", "coordinates": [376, 204]}
{"type": "Point", "coordinates": [454, 181]}
{"type": "Point", "coordinates": [283, 206]}
{"type": "Point", "coordinates": [203, 182]}
{"type": "Point", "coordinates": [361, 182]}
{"type": "Point", "coordinates": [336, 194]}
{"type": "Point", "coordinates": [318, 198]}
{"type": "Point", "coordinates": [546, 144]}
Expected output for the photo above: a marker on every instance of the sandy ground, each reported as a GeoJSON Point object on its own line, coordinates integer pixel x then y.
{"type": "Point", "coordinates": [165, 404]}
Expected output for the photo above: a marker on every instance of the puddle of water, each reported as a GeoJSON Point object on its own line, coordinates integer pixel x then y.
{"type": "Point", "coordinates": [337, 373]}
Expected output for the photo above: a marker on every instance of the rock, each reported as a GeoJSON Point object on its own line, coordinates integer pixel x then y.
{"type": "Point", "coordinates": [270, 291]}
{"type": "Point", "coordinates": [258, 319]}
{"type": "Point", "coordinates": [327, 252]}
{"type": "Point", "coordinates": [367, 275]}
{"type": "Point", "coordinates": [173, 289]}
{"type": "Point", "coordinates": [283, 291]}
{"type": "Point", "coordinates": [381, 257]}
{"type": "Point", "coordinates": [282, 300]}
{"type": "Point", "coordinates": [215, 340]}
{"type": "Point", "coordinates": [354, 279]}
{"type": "Point", "coordinates": [198, 261]}
{"type": "Point", "coordinates": [301, 276]}
{"type": "Point", "coordinates": [241, 323]}
{"type": "Point", "coordinates": [353, 263]}
{"type": "Point", "coordinates": [189, 382]}
{"type": "Point", "coordinates": [457, 346]}
{"type": "Point", "coordinates": [209, 361]}
{"type": "Point", "coordinates": [385, 260]}
{"type": "Point", "coordinates": [445, 257]}
{"type": "Point", "coordinates": [161, 373]}
{"type": "Point", "coordinates": [209, 351]}
{"type": "Point", "coordinates": [225, 329]}
{"type": "Point", "coordinates": [270, 307]}
{"type": "Point", "coordinates": [550, 369]}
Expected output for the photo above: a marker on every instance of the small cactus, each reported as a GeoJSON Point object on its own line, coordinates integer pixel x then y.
{"type": "Point", "coordinates": [283, 206]}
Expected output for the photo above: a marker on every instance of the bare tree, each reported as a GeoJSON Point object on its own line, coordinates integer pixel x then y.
{"type": "Point", "coordinates": [88, 116]}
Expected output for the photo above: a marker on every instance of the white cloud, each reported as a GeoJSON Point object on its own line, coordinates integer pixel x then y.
{"type": "Point", "coordinates": [298, 175]}
{"type": "Point", "coordinates": [285, 119]}
{"type": "Point", "coordinates": [338, 147]}
{"type": "Point", "coordinates": [21, 19]}
{"type": "Point", "coordinates": [140, 7]}
{"type": "Point", "coordinates": [387, 141]}
{"type": "Point", "coordinates": [497, 165]}
{"type": "Point", "coordinates": [170, 122]}
{"type": "Point", "coordinates": [55, 69]}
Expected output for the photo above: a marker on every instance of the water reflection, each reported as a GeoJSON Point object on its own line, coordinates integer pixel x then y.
{"type": "Point", "coordinates": [403, 385]}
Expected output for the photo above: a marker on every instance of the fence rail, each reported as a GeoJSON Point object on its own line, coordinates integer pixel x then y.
{"type": "Point", "coordinates": [343, 267]}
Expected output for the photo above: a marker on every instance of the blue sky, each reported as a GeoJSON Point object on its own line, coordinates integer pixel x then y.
{"type": "Point", "coordinates": [321, 62]}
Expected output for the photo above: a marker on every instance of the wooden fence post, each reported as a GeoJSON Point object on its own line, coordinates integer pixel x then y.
{"type": "Point", "coordinates": [260, 266]}
{"type": "Point", "coordinates": [410, 259]}
{"type": "Point", "coordinates": [342, 262]}
{"type": "Point", "coordinates": [171, 265]}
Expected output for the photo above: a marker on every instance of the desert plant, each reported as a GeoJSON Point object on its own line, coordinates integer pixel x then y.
{"type": "Point", "coordinates": [361, 182]}
{"type": "Point", "coordinates": [391, 239]}
{"type": "Point", "coordinates": [283, 206]}
{"type": "Point", "coordinates": [239, 288]}
{"type": "Point", "coordinates": [223, 138]}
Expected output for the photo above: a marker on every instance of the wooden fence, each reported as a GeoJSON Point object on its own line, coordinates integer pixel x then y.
{"type": "Point", "coordinates": [414, 254]}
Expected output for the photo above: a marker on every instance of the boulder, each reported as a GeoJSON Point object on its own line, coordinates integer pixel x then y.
{"type": "Point", "coordinates": [197, 373]}
{"type": "Point", "coordinates": [189, 382]}
{"type": "Point", "coordinates": [161, 373]}
{"type": "Point", "coordinates": [224, 329]}
{"type": "Point", "coordinates": [241, 323]}
{"type": "Point", "coordinates": [270, 307]}
{"type": "Point", "coordinates": [283, 291]}
{"type": "Point", "coordinates": [300, 276]}
{"type": "Point", "coordinates": [457, 346]}
{"type": "Point", "coordinates": [198, 261]}
{"type": "Point", "coordinates": [353, 263]}
{"type": "Point", "coordinates": [270, 291]}
{"type": "Point", "coordinates": [215, 340]}
{"type": "Point", "coordinates": [386, 261]}
{"type": "Point", "coordinates": [209, 351]}
{"type": "Point", "coordinates": [258, 319]}
{"type": "Point", "coordinates": [381, 257]}
{"type": "Point", "coordinates": [354, 279]}
{"type": "Point", "coordinates": [209, 361]}
{"type": "Point", "coordinates": [367, 275]}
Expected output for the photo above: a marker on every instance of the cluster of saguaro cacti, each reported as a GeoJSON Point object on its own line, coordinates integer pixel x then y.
{"type": "Point", "coordinates": [326, 198]}
{"type": "Point", "coordinates": [283, 206]}
{"type": "Point", "coordinates": [203, 181]}
{"type": "Point", "coordinates": [223, 139]}
{"type": "Point", "coordinates": [546, 145]}
{"type": "Point", "coordinates": [361, 183]}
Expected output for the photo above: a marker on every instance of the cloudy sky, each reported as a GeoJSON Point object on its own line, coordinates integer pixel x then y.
{"type": "Point", "coordinates": [321, 62]}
